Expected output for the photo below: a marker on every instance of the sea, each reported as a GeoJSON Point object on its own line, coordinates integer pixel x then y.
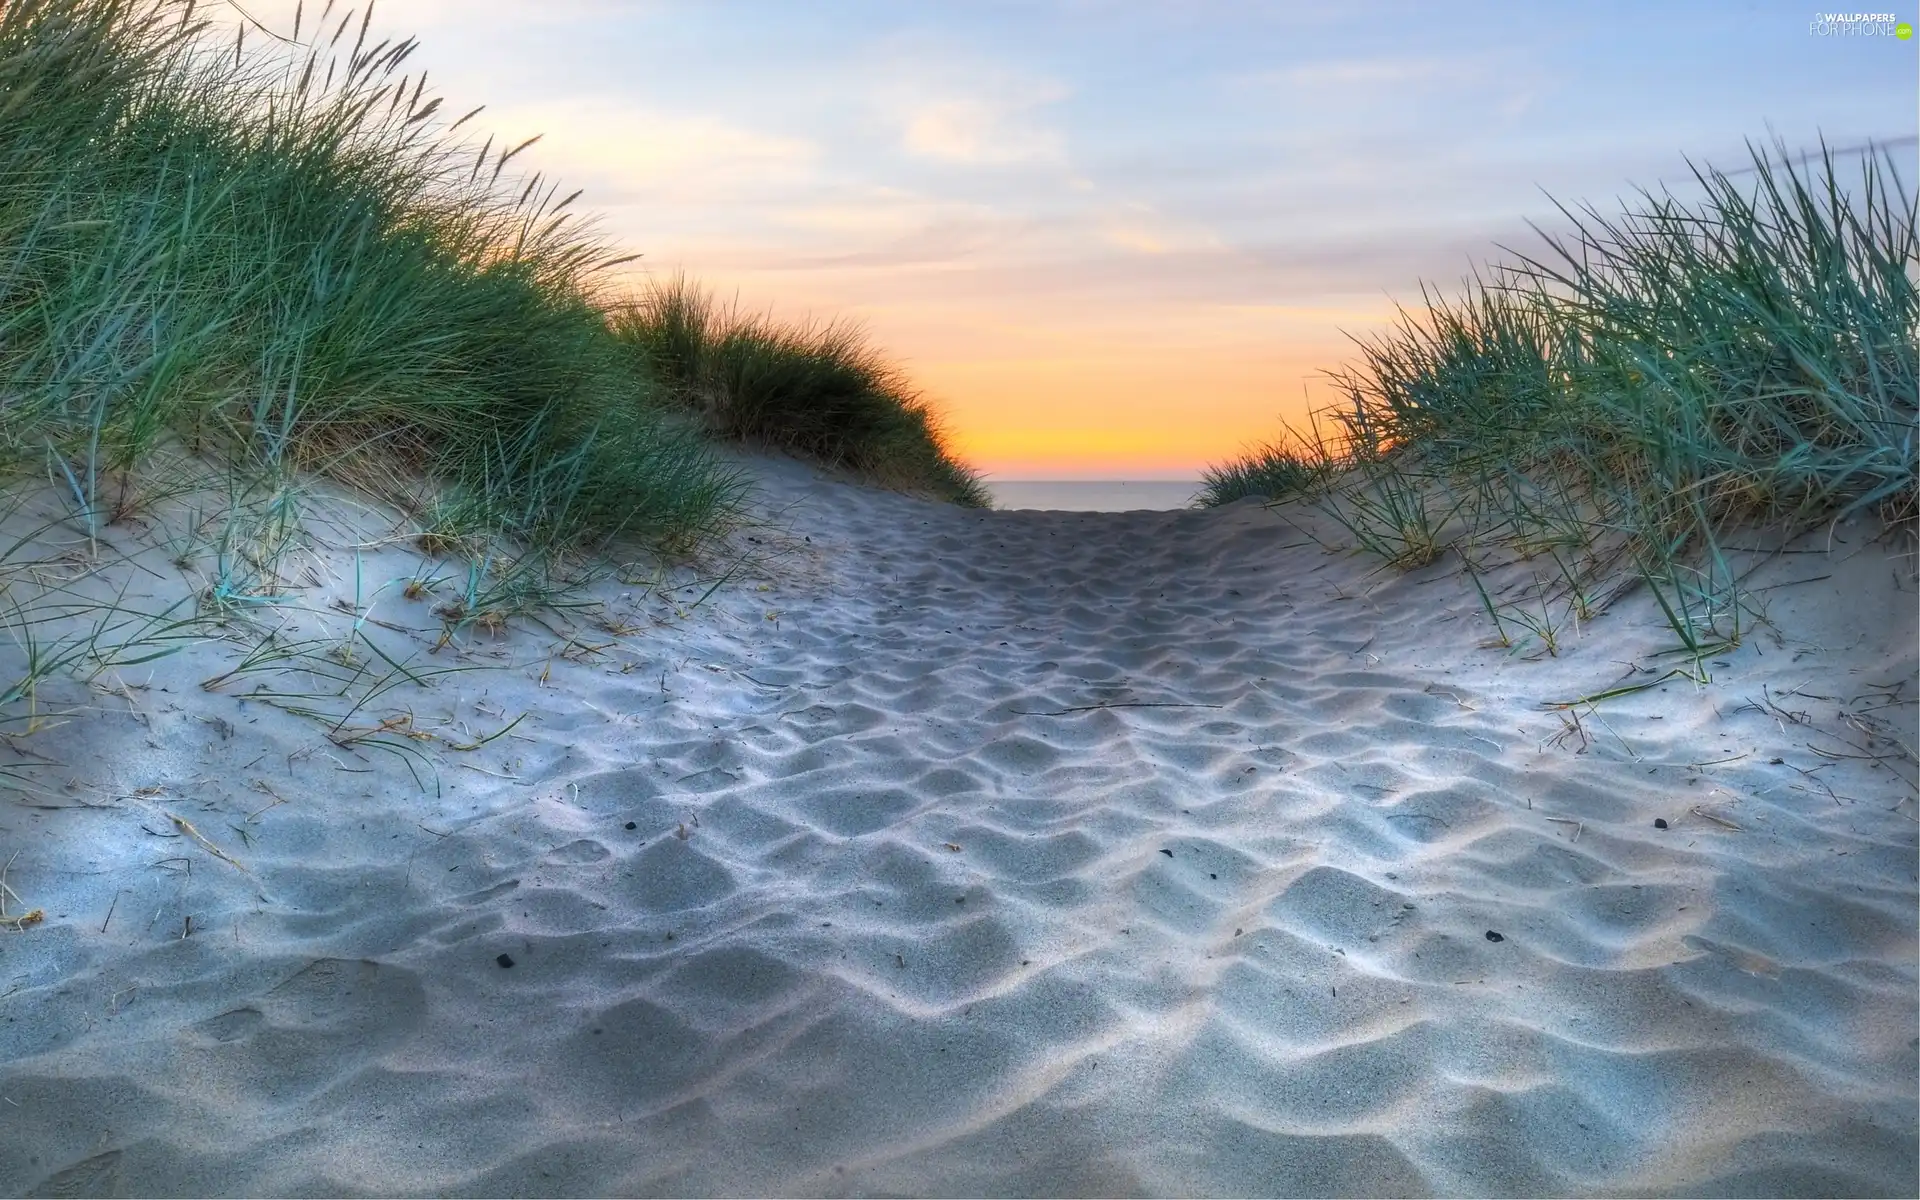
{"type": "Point", "coordinates": [1086, 495]}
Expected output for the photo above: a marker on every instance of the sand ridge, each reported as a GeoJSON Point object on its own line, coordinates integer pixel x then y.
{"type": "Point", "coordinates": [953, 852]}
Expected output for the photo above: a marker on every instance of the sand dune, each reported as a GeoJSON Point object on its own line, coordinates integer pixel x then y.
{"type": "Point", "coordinates": [977, 853]}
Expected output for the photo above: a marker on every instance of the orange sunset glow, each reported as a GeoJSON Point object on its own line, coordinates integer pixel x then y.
{"type": "Point", "coordinates": [1115, 241]}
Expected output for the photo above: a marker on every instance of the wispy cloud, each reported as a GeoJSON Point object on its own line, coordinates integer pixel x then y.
{"type": "Point", "coordinates": [654, 152]}
{"type": "Point", "coordinates": [953, 106]}
{"type": "Point", "coordinates": [1142, 229]}
{"type": "Point", "coordinates": [976, 131]}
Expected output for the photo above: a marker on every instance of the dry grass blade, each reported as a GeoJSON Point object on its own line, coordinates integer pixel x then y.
{"type": "Point", "coordinates": [186, 827]}
{"type": "Point", "coordinates": [19, 921]}
{"type": "Point", "coordinates": [1706, 814]}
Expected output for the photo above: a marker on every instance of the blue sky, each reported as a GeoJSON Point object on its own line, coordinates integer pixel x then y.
{"type": "Point", "coordinates": [1121, 240]}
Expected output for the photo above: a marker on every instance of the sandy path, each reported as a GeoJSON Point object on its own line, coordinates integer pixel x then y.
{"type": "Point", "coordinates": [1006, 853]}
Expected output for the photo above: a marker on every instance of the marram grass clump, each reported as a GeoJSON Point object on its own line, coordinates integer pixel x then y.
{"type": "Point", "coordinates": [229, 263]}
{"type": "Point", "coordinates": [1622, 402]}
{"type": "Point", "coordinates": [820, 391]}
{"type": "Point", "coordinates": [233, 261]}
{"type": "Point", "coordinates": [1274, 470]}
{"type": "Point", "coordinates": [282, 253]}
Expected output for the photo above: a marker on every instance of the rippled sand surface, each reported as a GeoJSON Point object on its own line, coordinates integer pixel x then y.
{"type": "Point", "coordinates": [995, 853]}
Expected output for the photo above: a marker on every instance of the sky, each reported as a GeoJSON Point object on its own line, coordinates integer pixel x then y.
{"type": "Point", "coordinates": [1126, 240]}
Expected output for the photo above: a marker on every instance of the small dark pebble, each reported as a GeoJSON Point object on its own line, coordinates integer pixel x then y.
{"type": "Point", "coordinates": [505, 960]}
{"type": "Point", "coordinates": [633, 825]}
{"type": "Point", "coordinates": [959, 899]}
{"type": "Point", "coordinates": [1211, 875]}
{"type": "Point", "coordinates": [1495, 937]}
{"type": "Point", "coordinates": [1659, 822]}
{"type": "Point", "coordinates": [1166, 852]}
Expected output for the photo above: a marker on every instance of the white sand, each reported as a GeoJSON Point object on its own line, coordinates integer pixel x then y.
{"type": "Point", "coordinates": [961, 911]}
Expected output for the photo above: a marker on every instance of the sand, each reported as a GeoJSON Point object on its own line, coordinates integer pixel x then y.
{"type": "Point", "coordinates": [947, 852]}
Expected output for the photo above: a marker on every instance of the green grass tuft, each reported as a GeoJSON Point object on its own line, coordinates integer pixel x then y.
{"type": "Point", "coordinates": [1273, 471]}
{"type": "Point", "coordinates": [283, 254]}
{"type": "Point", "coordinates": [820, 391]}
{"type": "Point", "coordinates": [1625, 398]}
{"type": "Point", "coordinates": [232, 263]}
{"type": "Point", "coordinates": [266, 259]}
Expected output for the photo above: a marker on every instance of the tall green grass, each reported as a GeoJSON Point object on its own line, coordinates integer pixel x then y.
{"type": "Point", "coordinates": [231, 262]}
{"type": "Point", "coordinates": [821, 391]}
{"type": "Point", "coordinates": [270, 258]}
{"type": "Point", "coordinates": [1622, 401]}
{"type": "Point", "coordinates": [283, 254]}
{"type": "Point", "coordinates": [1289, 467]}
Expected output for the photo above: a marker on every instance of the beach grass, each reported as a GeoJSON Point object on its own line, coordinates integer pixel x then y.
{"type": "Point", "coordinates": [1273, 469]}
{"type": "Point", "coordinates": [817, 390]}
{"type": "Point", "coordinates": [1628, 400]}
{"type": "Point", "coordinates": [279, 254]}
{"type": "Point", "coordinates": [235, 261]}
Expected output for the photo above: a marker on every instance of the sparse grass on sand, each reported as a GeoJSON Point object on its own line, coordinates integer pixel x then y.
{"type": "Point", "coordinates": [820, 391]}
{"type": "Point", "coordinates": [1636, 398]}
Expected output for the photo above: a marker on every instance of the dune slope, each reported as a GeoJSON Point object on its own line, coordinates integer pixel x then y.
{"type": "Point", "coordinates": [977, 853]}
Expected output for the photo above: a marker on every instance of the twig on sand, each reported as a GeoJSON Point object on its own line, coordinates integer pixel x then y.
{"type": "Point", "coordinates": [1823, 753]}
{"type": "Point", "coordinates": [186, 827]}
{"type": "Point", "coordinates": [1717, 761]}
{"type": "Point", "coordinates": [1698, 811]}
{"type": "Point", "coordinates": [484, 771]}
{"type": "Point", "coordinates": [1815, 778]}
{"type": "Point", "coordinates": [775, 687]}
{"type": "Point", "coordinates": [1431, 690]}
{"type": "Point", "coordinates": [1611, 693]}
{"type": "Point", "coordinates": [1062, 712]}
{"type": "Point", "coordinates": [16, 923]}
{"type": "Point", "coordinates": [1578, 826]}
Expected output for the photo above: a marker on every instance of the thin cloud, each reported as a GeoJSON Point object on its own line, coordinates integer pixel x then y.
{"type": "Point", "coordinates": [1141, 229]}
{"type": "Point", "coordinates": [651, 152]}
{"type": "Point", "coordinates": [948, 105]}
{"type": "Point", "coordinates": [977, 132]}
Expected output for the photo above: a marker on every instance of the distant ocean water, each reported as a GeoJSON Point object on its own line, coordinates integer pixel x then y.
{"type": "Point", "coordinates": [1081, 495]}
